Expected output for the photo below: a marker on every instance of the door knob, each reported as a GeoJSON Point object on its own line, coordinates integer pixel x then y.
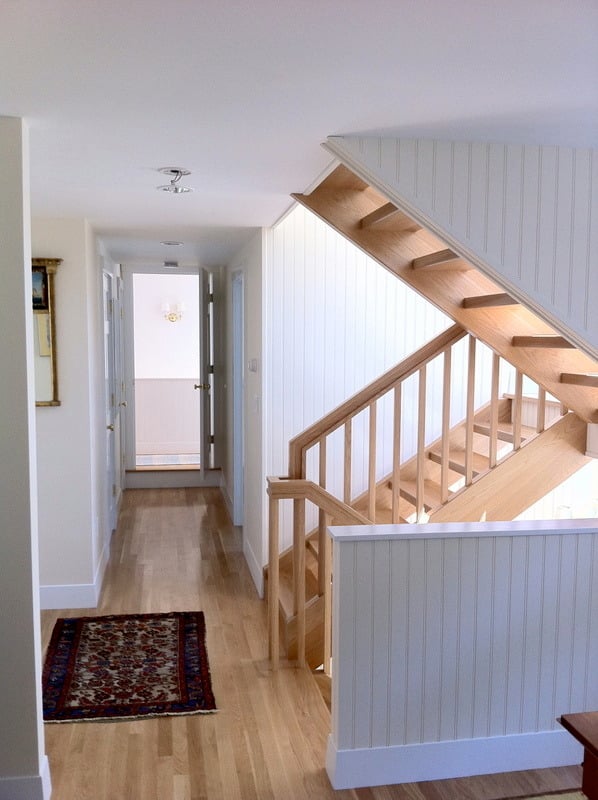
{"type": "Point", "coordinates": [109, 427]}
{"type": "Point", "coordinates": [201, 385]}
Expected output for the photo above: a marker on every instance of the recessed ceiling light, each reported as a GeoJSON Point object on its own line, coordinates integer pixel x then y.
{"type": "Point", "coordinates": [175, 174]}
{"type": "Point", "coordinates": [169, 243]}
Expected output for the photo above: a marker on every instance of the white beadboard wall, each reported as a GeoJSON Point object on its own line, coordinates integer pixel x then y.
{"type": "Point", "coordinates": [456, 647]}
{"type": "Point", "coordinates": [527, 215]}
{"type": "Point", "coordinates": [335, 320]}
{"type": "Point", "coordinates": [166, 416]}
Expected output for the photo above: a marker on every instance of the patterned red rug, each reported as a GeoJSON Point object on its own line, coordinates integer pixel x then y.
{"type": "Point", "coordinates": [127, 666]}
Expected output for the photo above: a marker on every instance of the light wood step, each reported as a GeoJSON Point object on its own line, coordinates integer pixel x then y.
{"type": "Point", "coordinates": [542, 340]}
{"type": "Point", "coordinates": [400, 221]}
{"type": "Point", "coordinates": [444, 259]}
{"type": "Point", "coordinates": [432, 496]}
{"type": "Point", "coordinates": [580, 378]}
{"type": "Point", "coordinates": [504, 431]}
{"type": "Point", "coordinates": [457, 461]}
{"type": "Point", "coordinates": [488, 300]}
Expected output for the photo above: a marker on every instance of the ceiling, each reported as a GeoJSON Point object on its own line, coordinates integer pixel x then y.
{"type": "Point", "coordinates": [243, 93]}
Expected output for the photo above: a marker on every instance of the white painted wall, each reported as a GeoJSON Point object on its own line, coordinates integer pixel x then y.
{"type": "Point", "coordinates": [525, 214]}
{"type": "Point", "coordinates": [71, 458]}
{"type": "Point", "coordinates": [24, 772]}
{"type": "Point", "coordinates": [167, 415]}
{"type": "Point", "coordinates": [456, 647]}
{"type": "Point", "coordinates": [166, 349]}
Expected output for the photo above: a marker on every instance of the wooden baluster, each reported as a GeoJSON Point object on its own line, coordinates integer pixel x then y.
{"type": "Point", "coordinates": [396, 455]}
{"type": "Point", "coordinates": [299, 575]}
{"type": "Point", "coordinates": [421, 444]}
{"type": "Point", "coordinates": [372, 463]}
{"type": "Point", "coordinates": [541, 418]}
{"type": "Point", "coordinates": [446, 424]}
{"type": "Point", "coordinates": [273, 580]}
{"type": "Point", "coordinates": [322, 521]}
{"type": "Point", "coordinates": [516, 412]}
{"type": "Point", "coordinates": [470, 412]}
{"type": "Point", "coordinates": [327, 571]}
{"type": "Point", "coordinates": [493, 432]}
{"type": "Point", "coordinates": [348, 463]}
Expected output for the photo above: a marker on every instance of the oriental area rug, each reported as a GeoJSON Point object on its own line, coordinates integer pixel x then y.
{"type": "Point", "coordinates": [127, 666]}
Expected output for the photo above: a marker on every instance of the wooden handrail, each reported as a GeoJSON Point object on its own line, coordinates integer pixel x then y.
{"type": "Point", "coordinates": [362, 399]}
{"type": "Point", "coordinates": [296, 488]}
{"type": "Point", "coordinates": [333, 511]}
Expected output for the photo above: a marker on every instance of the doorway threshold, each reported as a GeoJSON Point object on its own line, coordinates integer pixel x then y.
{"type": "Point", "coordinates": [163, 478]}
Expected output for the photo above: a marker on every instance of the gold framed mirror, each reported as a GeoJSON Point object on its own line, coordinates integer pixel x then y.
{"type": "Point", "coordinates": [44, 330]}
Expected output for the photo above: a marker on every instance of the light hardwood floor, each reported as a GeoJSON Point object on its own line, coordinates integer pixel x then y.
{"type": "Point", "coordinates": [175, 549]}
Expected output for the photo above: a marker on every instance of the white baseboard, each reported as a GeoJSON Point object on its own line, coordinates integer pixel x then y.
{"type": "Point", "coordinates": [71, 595]}
{"type": "Point", "coordinates": [77, 595]}
{"type": "Point", "coordinates": [30, 787]}
{"type": "Point", "coordinates": [255, 568]}
{"type": "Point", "coordinates": [378, 766]}
{"type": "Point", "coordinates": [227, 498]}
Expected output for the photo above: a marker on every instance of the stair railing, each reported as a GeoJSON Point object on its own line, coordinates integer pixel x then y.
{"type": "Point", "coordinates": [331, 511]}
{"type": "Point", "coordinates": [390, 387]}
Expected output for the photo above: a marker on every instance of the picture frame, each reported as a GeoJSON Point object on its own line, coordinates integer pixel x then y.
{"type": "Point", "coordinates": [40, 296]}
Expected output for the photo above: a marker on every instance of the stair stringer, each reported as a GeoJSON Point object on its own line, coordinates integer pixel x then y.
{"type": "Point", "coordinates": [522, 478]}
{"type": "Point", "coordinates": [523, 215]}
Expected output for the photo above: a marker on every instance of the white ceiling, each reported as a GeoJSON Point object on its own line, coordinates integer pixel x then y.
{"type": "Point", "coordinates": [242, 93]}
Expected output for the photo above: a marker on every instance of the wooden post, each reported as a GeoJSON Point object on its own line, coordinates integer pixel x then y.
{"type": "Point", "coordinates": [446, 424]}
{"type": "Point", "coordinates": [273, 580]}
{"type": "Point", "coordinates": [421, 444]}
{"type": "Point", "coordinates": [299, 575]}
{"type": "Point", "coordinates": [396, 455]}
{"type": "Point", "coordinates": [470, 412]}
{"type": "Point", "coordinates": [493, 431]}
{"type": "Point", "coordinates": [322, 520]}
{"type": "Point", "coordinates": [372, 464]}
{"type": "Point", "coordinates": [327, 558]}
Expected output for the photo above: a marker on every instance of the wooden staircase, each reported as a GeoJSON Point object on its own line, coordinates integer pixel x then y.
{"type": "Point", "coordinates": [492, 464]}
{"type": "Point", "coordinates": [465, 294]}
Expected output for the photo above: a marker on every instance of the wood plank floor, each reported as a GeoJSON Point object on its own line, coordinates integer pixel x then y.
{"type": "Point", "coordinates": [176, 550]}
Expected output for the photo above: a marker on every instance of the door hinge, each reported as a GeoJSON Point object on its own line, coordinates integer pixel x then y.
{"type": "Point", "coordinates": [211, 369]}
{"type": "Point", "coordinates": [211, 439]}
{"type": "Point", "coordinates": [211, 297]}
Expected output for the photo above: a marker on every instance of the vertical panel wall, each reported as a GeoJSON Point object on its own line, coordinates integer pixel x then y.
{"type": "Point", "coordinates": [335, 321]}
{"type": "Point", "coordinates": [456, 648]}
{"type": "Point", "coordinates": [527, 215]}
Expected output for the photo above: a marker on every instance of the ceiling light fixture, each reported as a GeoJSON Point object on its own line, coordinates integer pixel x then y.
{"type": "Point", "coordinates": [175, 174]}
{"type": "Point", "coordinates": [172, 243]}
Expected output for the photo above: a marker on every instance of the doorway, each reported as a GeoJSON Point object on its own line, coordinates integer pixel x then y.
{"type": "Point", "coordinates": [166, 365]}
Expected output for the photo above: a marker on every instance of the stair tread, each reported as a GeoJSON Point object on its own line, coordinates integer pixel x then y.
{"type": "Point", "coordinates": [432, 494]}
{"type": "Point", "coordinates": [457, 460]}
{"type": "Point", "coordinates": [505, 430]}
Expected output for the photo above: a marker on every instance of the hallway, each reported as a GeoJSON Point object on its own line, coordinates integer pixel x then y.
{"type": "Point", "coordinates": [176, 549]}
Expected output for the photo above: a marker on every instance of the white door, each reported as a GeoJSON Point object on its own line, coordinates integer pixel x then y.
{"type": "Point", "coordinates": [205, 387]}
{"type": "Point", "coordinates": [111, 416]}
{"type": "Point", "coordinates": [238, 396]}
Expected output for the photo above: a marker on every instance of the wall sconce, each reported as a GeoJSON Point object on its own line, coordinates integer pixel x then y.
{"type": "Point", "coordinates": [173, 312]}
